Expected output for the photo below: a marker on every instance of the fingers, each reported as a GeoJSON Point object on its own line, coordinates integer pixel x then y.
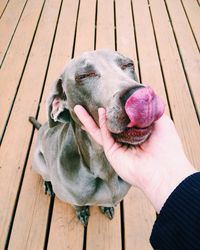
{"type": "Point", "coordinates": [88, 123]}
{"type": "Point", "coordinates": [100, 135]}
{"type": "Point", "coordinates": [108, 141]}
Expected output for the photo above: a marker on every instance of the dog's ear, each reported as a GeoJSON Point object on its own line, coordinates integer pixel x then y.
{"type": "Point", "coordinates": [57, 105]}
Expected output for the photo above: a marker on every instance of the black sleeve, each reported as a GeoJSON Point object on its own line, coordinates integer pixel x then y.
{"type": "Point", "coordinates": [177, 227]}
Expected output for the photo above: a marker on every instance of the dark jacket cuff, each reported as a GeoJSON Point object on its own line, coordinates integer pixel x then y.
{"type": "Point", "coordinates": [178, 224]}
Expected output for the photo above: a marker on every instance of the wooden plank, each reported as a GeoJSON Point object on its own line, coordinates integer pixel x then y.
{"type": "Point", "coordinates": [180, 101]}
{"type": "Point", "coordinates": [125, 31]}
{"type": "Point", "coordinates": [193, 12]}
{"type": "Point", "coordinates": [86, 27]}
{"type": "Point", "coordinates": [8, 24]}
{"type": "Point", "coordinates": [61, 52]}
{"type": "Point", "coordinates": [101, 232]}
{"type": "Point", "coordinates": [105, 25]}
{"type": "Point", "coordinates": [66, 230]}
{"type": "Point", "coordinates": [16, 58]}
{"type": "Point", "coordinates": [139, 217]}
{"type": "Point", "coordinates": [3, 6]}
{"type": "Point", "coordinates": [13, 155]}
{"type": "Point", "coordinates": [139, 214]}
{"type": "Point", "coordinates": [187, 46]}
{"type": "Point", "coordinates": [148, 57]}
{"type": "Point", "coordinates": [32, 213]}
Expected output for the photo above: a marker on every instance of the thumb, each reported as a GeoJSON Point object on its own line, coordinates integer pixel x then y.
{"type": "Point", "coordinates": [108, 142]}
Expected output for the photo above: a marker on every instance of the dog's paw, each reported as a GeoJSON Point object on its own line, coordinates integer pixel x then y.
{"type": "Point", "coordinates": [108, 211]}
{"type": "Point", "coordinates": [83, 214]}
{"type": "Point", "coordinates": [48, 189]}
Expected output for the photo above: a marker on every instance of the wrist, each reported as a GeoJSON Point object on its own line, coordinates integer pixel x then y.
{"type": "Point", "coordinates": [161, 187]}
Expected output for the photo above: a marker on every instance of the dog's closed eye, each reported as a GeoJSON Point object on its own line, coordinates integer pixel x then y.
{"type": "Point", "coordinates": [127, 66]}
{"type": "Point", "coordinates": [82, 77]}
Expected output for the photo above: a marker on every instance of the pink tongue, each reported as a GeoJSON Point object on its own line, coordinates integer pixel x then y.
{"type": "Point", "coordinates": [143, 107]}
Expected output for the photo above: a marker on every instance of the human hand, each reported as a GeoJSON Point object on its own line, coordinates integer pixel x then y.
{"type": "Point", "coordinates": [156, 167]}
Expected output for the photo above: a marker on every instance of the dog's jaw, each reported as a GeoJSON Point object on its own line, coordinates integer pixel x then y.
{"type": "Point", "coordinates": [134, 136]}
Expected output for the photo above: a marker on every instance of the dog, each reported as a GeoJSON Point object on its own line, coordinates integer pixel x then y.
{"type": "Point", "coordinates": [72, 164]}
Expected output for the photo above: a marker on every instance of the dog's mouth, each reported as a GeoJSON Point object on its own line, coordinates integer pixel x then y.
{"type": "Point", "coordinates": [143, 107]}
{"type": "Point", "coordinates": [134, 135]}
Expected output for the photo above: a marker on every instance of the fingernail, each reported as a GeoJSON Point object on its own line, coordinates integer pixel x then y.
{"type": "Point", "coordinates": [101, 111]}
{"type": "Point", "coordinates": [76, 106]}
{"type": "Point", "coordinates": [83, 128]}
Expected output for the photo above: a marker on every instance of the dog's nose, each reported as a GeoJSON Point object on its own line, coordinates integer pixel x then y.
{"type": "Point", "coordinates": [143, 107]}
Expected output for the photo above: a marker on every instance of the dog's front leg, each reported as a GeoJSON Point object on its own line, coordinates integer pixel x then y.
{"type": "Point", "coordinates": [48, 189]}
{"type": "Point", "coordinates": [108, 211]}
{"type": "Point", "coordinates": [82, 213]}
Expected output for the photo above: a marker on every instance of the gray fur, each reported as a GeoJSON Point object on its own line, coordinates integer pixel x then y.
{"type": "Point", "coordinates": [66, 155]}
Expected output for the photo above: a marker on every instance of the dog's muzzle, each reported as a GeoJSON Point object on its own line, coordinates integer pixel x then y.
{"type": "Point", "coordinates": [143, 107]}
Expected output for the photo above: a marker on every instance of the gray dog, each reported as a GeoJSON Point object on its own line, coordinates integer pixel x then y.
{"type": "Point", "coordinates": [71, 163]}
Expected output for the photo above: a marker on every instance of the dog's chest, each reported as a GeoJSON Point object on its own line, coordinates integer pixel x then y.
{"type": "Point", "coordinates": [109, 193]}
{"type": "Point", "coordinates": [82, 175]}
{"type": "Point", "coordinates": [109, 189]}
{"type": "Point", "coordinates": [102, 188]}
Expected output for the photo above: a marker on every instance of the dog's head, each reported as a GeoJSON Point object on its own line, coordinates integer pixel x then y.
{"type": "Point", "coordinates": [106, 79]}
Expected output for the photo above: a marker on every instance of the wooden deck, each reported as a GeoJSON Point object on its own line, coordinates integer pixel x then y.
{"type": "Point", "coordinates": [37, 38]}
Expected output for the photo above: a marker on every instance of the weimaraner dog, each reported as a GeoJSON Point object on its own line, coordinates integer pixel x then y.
{"type": "Point", "coordinates": [71, 163]}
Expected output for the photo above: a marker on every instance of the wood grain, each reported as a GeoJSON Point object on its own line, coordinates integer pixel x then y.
{"type": "Point", "coordinates": [179, 96]}
{"type": "Point", "coordinates": [14, 149]}
{"type": "Point", "coordinates": [187, 46]}
{"type": "Point", "coordinates": [13, 66]}
{"type": "Point", "coordinates": [8, 24]}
